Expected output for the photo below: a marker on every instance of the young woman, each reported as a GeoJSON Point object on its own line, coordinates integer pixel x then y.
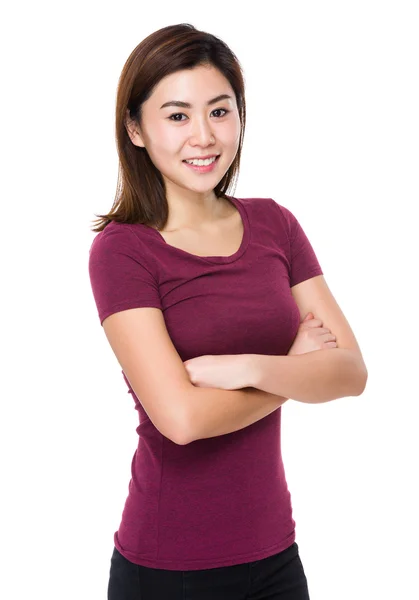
{"type": "Point", "coordinates": [218, 312]}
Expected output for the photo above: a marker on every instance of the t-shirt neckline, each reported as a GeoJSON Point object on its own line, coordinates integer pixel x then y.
{"type": "Point", "coordinates": [220, 259]}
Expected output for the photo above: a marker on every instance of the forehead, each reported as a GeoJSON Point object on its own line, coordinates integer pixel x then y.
{"type": "Point", "coordinates": [197, 84]}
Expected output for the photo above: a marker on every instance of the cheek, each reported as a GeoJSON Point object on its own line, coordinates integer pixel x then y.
{"type": "Point", "coordinates": [170, 140]}
{"type": "Point", "coordinates": [231, 135]}
{"type": "Point", "coordinates": [163, 145]}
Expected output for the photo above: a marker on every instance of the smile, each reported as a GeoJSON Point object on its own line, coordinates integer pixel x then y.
{"type": "Point", "coordinates": [201, 162]}
{"type": "Point", "coordinates": [202, 166]}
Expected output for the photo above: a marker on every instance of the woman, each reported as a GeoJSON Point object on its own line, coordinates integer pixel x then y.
{"type": "Point", "coordinates": [217, 311]}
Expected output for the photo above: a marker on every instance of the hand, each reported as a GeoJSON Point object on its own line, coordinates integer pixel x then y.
{"type": "Point", "coordinates": [312, 336]}
{"type": "Point", "coordinates": [224, 371]}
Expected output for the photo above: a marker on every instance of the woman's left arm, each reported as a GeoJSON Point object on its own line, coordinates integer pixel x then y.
{"type": "Point", "coordinates": [321, 375]}
{"type": "Point", "coordinates": [313, 377]}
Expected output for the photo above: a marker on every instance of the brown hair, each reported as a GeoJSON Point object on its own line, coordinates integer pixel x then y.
{"type": "Point", "coordinates": [141, 195]}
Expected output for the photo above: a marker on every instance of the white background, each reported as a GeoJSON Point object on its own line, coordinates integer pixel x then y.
{"type": "Point", "coordinates": [332, 134]}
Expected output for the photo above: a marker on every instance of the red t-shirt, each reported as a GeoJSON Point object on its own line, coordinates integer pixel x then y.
{"type": "Point", "coordinates": [224, 500]}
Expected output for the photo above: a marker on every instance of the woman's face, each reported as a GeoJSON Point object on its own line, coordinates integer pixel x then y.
{"type": "Point", "coordinates": [173, 133]}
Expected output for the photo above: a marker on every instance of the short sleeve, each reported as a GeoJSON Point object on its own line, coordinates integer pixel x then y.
{"type": "Point", "coordinates": [303, 260]}
{"type": "Point", "coordinates": [119, 274]}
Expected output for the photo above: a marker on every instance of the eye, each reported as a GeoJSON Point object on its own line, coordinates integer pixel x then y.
{"type": "Point", "coordinates": [182, 114]}
{"type": "Point", "coordinates": [176, 115]}
{"type": "Point", "coordinates": [224, 109]}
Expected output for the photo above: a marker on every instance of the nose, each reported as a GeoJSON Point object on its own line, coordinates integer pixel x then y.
{"type": "Point", "coordinates": [201, 133]}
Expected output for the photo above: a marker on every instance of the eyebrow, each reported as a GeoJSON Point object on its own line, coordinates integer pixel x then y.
{"type": "Point", "coordinates": [187, 105]}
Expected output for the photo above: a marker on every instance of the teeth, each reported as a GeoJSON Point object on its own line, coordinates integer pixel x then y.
{"type": "Point", "coordinates": [200, 162]}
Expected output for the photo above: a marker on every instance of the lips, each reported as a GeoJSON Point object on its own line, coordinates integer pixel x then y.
{"type": "Point", "coordinates": [202, 168]}
{"type": "Point", "coordinates": [201, 157]}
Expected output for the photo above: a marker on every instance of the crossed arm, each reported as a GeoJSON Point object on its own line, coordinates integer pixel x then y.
{"type": "Point", "coordinates": [317, 376]}
{"type": "Point", "coordinates": [269, 381]}
{"type": "Point", "coordinates": [314, 377]}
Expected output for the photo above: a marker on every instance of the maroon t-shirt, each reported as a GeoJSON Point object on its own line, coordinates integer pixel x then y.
{"type": "Point", "coordinates": [224, 500]}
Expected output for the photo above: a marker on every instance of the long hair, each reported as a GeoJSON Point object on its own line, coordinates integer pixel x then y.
{"type": "Point", "coordinates": [141, 195]}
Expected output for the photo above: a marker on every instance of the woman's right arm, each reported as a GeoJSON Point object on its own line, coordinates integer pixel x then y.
{"type": "Point", "coordinates": [214, 412]}
{"type": "Point", "coordinates": [179, 410]}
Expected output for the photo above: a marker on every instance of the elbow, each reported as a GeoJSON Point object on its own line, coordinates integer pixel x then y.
{"type": "Point", "coordinates": [181, 428]}
{"type": "Point", "coordinates": [184, 436]}
{"type": "Point", "coordinates": [183, 440]}
{"type": "Point", "coordinates": [362, 381]}
{"type": "Point", "coordinates": [173, 429]}
{"type": "Point", "coordinates": [179, 434]}
{"type": "Point", "coordinates": [180, 441]}
{"type": "Point", "coordinates": [357, 374]}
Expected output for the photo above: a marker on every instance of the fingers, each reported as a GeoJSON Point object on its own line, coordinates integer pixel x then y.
{"type": "Point", "coordinates": [318, 326]}
{"type": "Point", "coordinates": [326, 331]}
{"type": "Point", "coordinates": [312, 323]}
{"type": "Point", "coordinates": [329, 337]}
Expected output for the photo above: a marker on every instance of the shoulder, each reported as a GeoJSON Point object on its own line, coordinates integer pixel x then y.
{"type": "Point", "coordinates": [264, 203]}
{"type": "Point", "coordinates": [122, 250]}
{"type": "Point", "coordinates": [117, 237]}
{"type": "Point", "coordinates": [270, 211]}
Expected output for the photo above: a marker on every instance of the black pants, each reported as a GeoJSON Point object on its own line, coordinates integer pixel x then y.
{"type": "Point", "coordinates": [278, 577]}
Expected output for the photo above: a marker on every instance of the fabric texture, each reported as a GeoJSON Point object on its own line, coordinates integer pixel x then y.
{"type": "Point", "coordinates": [219, 501]}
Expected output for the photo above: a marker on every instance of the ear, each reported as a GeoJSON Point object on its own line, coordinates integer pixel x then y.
{"type": "Point", "coordinates": [133, 131]}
